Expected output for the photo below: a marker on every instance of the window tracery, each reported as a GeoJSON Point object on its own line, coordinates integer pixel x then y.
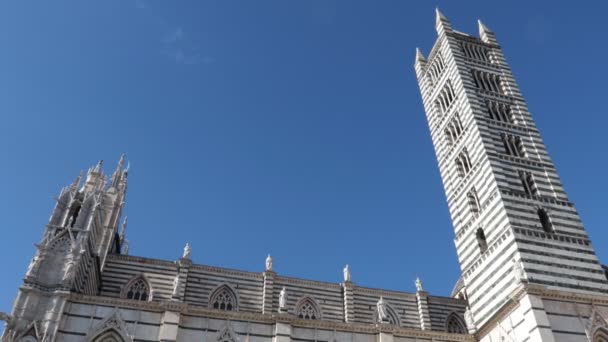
{"type": "Point", "coordinates": [137, 289]}
{"type": "Point", "coordinates": [223, 299]}
{"type": "Point", "coordinates": [455, 325]}
{"type": "Point", "coordinates": [307, 309]}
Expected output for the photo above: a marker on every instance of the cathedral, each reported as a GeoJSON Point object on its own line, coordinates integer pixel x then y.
{"type": "Point", "coordinates": [528, 269]}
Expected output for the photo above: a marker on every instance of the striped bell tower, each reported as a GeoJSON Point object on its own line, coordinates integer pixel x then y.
{"type": "Point", "coordinates": [518, 235]}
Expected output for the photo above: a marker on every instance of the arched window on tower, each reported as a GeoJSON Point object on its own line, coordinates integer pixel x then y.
{"type": "Point", "coordinates": [223, 298]}
{"type": "Point", "coordinates": [545, 220]}
{"type": "Point", "coordinates": [454, 324]}
{"type": "Point", "coordinates": [137, 289]}
{"type": "Point", "coordinates": [481, 240]}
{"type": "Point", "coordinates": [73, 214]}
{"type": "Point", "coordinates": [307, 309]}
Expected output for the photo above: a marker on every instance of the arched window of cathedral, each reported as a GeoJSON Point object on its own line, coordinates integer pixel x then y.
{"type": "Point", "coordinates": [224, 298]}
{"type": "Point", "coordinates": [454, 324]}
{"type": "Point", "coordinates": [307, 308]}
{"type": "Point", "coordinates": [600, 335]}
{"type": "Point", "coordinates": [137, 289]}
{"type": "Point", "coordinates": [545, 220]}
{"type": "Point", "coordinates": [109, 336]}
{"type": "Point", "coordinates": [481, 240]}
{"type": "Point", "coordinates": [73, 215]}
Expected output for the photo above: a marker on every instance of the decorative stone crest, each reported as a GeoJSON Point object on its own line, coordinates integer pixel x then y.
{"type": "Point", "coordinates": [227, 335]}
{"type": "Point", "coordinates": [419, 285]}
{"type": "Point", "coordinates": [346, 274]}
{"type": "Point", "coordinates": [268, 263]}
{"type": "Point", "coordinates": [187, 251]}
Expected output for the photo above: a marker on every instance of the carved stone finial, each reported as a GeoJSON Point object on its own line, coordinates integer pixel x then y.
{"type": "Point", "coordinates": [126, 247]}
{"type": "Point", "coordinates": [283, 300]}
{"type": "Point", "coordinates": [346, 274]}
{"type": "Point", "coordinates": [419, 286]}
{"type": "Point", "coordinates": [77, 181]}
{"type": "Point", "coordinates": [98, 166]}
{"type": "Point", "coordinates": [269, 263]}
{"type": "Point", "coordinates": [187, 251]}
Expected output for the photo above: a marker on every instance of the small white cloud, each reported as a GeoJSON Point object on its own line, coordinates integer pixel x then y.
{"type": "Point", "coordinates": [174, 36]}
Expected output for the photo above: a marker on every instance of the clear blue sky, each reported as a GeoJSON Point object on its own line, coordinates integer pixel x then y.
{"type": "Point", "coordinates": [286, 127]}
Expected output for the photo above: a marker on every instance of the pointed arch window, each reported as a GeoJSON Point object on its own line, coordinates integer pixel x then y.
{"type": "Point", "coordinates": [499, 111]}
{"type": "Point", "coordinates": [545, 220]}
{"type": "Point", "coordinates": [223, 298]}
{"type": "Point", "coordinates": [137, 289]}
{"type": "Point", "coordinates": [481, 240]}
{"type": "Point", "coordinates": [307, 309]}
{"type": "Point", "coordinates": [473, 200]}
{"type": "Point", "coordinates": [529, 185]}
{"type": "Point", "coordinates": [463, 163]}
{"type": "Point", "coordinates": [454, 325]}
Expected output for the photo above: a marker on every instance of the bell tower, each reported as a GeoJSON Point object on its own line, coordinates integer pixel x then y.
{"type": "Point", "coordinates": [515, 227]}
{"type": "Point", "coordinates": [82, 230]}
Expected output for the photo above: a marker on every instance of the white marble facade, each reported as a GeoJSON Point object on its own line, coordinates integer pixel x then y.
{"type": "Point", "coordinates": [529, 272]}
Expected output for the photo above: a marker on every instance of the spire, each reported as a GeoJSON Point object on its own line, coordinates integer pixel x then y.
{"type": "Point", "coordinates": [485, 34]}
{"type": "Point", "coordinates": [439, 17]}
{"type": "Point", "coordinates": [77, 180]}
{"type": "Point", "coordinates": [482, 28]}
{"type": "Point", "coordinates": [117, 175]}
{"type": "Point", "coordinates": [123, 229]}
{"type": "Point", "coordinates": [442, 24]}
{"type": "Point", "coordinates": [187, 251]}
{"type": "Point", "coordinates": [419, 56]}
{"type": "Point", "coordinates": [98, 166]}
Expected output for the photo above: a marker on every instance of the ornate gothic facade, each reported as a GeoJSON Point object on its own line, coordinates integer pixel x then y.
{"type": "Point", "coordinates": [529, 272]}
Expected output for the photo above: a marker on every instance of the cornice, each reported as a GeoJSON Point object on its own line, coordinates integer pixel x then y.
{"type": "Point", "coordinates": [299, 281]}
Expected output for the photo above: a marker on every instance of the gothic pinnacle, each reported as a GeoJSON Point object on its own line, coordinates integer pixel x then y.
{"type": "Point", "coordinates": [419, 56]}
{"type": "Point", "coordinates": [483, 29]}
{"type": "Point", "coordinates": [77, 180]}
{"type": "Point", "coordinates": [123, 229]}
{"type": "Point", "coordinates": [439, 16]}
{"type": "Point", "coordinates": [98, 166]}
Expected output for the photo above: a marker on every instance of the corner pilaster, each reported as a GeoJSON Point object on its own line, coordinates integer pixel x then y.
{"type": "Point", "coordinates": [179, 285]}
{"type": "Point", "coordinates": [282, 332]}
{"type": "Point", "coordinates": [349, 301]}
{"type": "Point", "coordinates": [423, 310]}
{"type": "Point", "coordinates": [268, 292]}
{"type": "Point", "coordinates": [169, 327]}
